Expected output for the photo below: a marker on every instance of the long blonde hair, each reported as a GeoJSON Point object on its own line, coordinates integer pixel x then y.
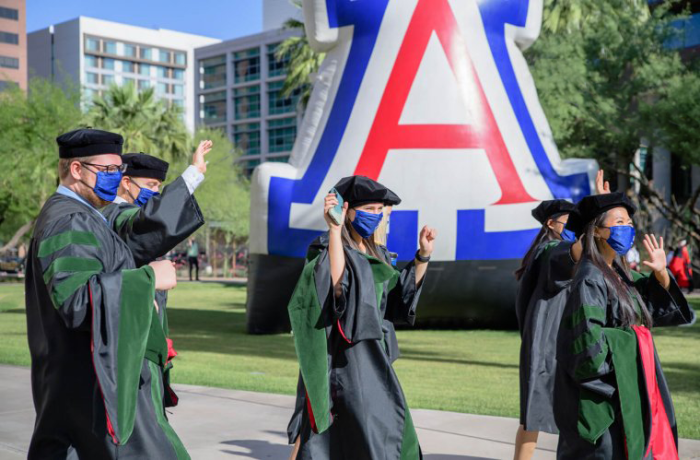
{"type": "Point", "coordinates": [372, 243]}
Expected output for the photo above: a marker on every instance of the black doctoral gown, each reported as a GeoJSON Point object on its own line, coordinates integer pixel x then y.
{"type": "Point", "coordinates": [351, 405]}
{"type": "Point", "coordinates": [539, 306]}
{"type": "Point", "coordinates": [98, 346]}
{"type": "Point", "coordinates": [602, 399]}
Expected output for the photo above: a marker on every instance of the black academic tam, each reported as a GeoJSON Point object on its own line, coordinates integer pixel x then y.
{"type": "Point", "coordinates": [550, 208]}
{"type": "Point", "coordinates": [592, 206]}
{"type": "Point", "coordinates": [359, 190]}
{"type": "Point", "coordinates": [144, 165]}
{"type": "Point", "coordinates": [86, 142]}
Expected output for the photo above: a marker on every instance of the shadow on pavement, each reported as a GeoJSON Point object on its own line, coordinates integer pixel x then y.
{"type": "Point", "coordinates": [260, 449]}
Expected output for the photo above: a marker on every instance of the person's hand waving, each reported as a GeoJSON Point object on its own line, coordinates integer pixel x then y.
{"type": "Point", "coordinates": [203, 148]}
{"type": "Point", "coordinates": [426, 239]}
{"type": "Point", "coordinates": [656, 259]}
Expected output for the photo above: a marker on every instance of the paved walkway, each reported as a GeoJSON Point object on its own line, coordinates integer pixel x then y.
{"type": "Point", "coordinates": [227, 424]}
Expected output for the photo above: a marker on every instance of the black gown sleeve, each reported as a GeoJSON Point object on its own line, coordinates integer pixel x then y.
{"type": "Point", "coordinates": [402, 301]}
{"type": "Point", "coordinates": [667, 307]}
{"type": "Point", "coordinates": [582, 349]}
{"type": "Point", "coordinates": [161, 224]}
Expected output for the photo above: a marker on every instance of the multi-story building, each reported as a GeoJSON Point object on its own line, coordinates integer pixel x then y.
{"type": "Point", "coordinates": [13, 43]}
{"type": "Point", "coordinates": [96, 53]}
{"type": "Point", "coordinates": [238, 89]}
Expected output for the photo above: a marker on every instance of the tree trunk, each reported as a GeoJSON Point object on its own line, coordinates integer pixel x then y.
{"type": "Point", "coordinates": [623, 180]}
{"type": "Point", "coordinates": [17, 236]}
{"type": "Point", "coordinates": [233, 244]}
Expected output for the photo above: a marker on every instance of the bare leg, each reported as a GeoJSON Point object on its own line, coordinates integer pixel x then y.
{"type": "Point", "coordinates": [525, 444]}
{"type": "Point", "coordinates": [295, 451]}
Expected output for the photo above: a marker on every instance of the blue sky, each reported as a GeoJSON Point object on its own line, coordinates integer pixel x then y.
{"type": "Point", "coordinates": [221, 19]}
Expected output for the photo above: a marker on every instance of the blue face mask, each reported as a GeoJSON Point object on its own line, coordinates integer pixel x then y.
{"type": "Point", "coordinates": [568, 235]}
{"type": "Point", "coordinates": [366, 223]}
{"type": "Point", "coordinates": [144, 195]}
{"type": "Point", "coordinates": [621, 238]}
{"type": "Point", "coordinates": [107, 184]}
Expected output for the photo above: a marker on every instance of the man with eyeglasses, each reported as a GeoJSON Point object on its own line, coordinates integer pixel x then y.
{"type": "Point", "coordinates": [96, 342]}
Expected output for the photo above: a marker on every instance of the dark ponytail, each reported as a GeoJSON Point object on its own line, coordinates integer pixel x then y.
{"type": "Point", "coordinates": [617, 279]}
{"type": "Point", "coordinates": [546, 234]}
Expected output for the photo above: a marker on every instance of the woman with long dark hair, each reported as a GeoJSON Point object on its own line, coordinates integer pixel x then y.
{"type": "Point", "coordinates": [343, 312]}
{"type": "Point", "coordinates": [544, 275]}
{"type": "Point", "coordinates": [611, 397]}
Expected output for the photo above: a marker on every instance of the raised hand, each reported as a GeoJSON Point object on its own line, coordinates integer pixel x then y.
{"type": "Point", "coordinates": [601, 185]}
{"type": "Point", "coordinates": [203, 148]}
{"type": "Point", "coordinates": [425, 240]}
{"type": "Point", "coordinates": [657, 255]}
{"type": "Point", "coordinates": [329, 203]}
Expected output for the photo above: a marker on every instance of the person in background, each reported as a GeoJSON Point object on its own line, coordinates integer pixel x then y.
{"type": "Point", "coordinates": [633, 258]}
{"type": "Point", "coordinates": [193, 257]}
{"type": "Point", "coordinates": [544, 277]}
{"type": "Point", "coordinates": [680, 267]}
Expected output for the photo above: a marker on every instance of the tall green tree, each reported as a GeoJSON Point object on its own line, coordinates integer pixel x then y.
{"type": "Point", "coordinates": [571, 15]}
{"type": "Point", "coordinates": [29, 125]}
{"type": "Point", "coordinates": [599, 83]}
{"type": "Point", "coordinates": [146, 122]}
{"type": "Point", "coordinates": [304, 62]}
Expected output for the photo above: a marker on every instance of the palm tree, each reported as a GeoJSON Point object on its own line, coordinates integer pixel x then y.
{"type": "Point", "coordinates": [304, 62]}
{"type": "Point", "coordinates": [147, 124]}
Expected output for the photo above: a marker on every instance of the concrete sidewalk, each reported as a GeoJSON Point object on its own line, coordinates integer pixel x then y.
{"type": "Point", "coordinates": [225, 424]}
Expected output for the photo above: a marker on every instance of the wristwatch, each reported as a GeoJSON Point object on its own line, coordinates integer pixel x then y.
{"type": "Point", "coordinates": [420, 258]}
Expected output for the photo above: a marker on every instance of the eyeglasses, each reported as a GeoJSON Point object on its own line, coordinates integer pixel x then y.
{"type": "Point", "coordinates": [109, 169]}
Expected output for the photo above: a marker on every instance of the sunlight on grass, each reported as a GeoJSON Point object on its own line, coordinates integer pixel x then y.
{"type": "Point", "coordinates": [473, 371]}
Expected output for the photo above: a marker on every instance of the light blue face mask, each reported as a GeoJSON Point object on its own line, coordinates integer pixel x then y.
{"type": "Point", "coordinates": [366, 223]}
{"type": "Point", "coordinates": [621, 238]}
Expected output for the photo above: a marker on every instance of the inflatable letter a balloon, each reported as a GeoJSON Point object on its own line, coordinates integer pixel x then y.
{"type": "Point", "coordinates": [433, 99]}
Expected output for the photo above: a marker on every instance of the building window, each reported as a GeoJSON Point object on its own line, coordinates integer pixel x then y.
{"type": "Point", "coordinates": [275, 67]}
{"type": "Point", "coordinates": [178, 90]}
{"type": "Point", "coordinates": [164, 56]}
{"type": "Point", "coordinates": [91, 62]}
{"type": "Point", "coordinates": [179, 103]}
{"type": "Point", "coordinates": [128, 67]}
{"type": "Point", "coordinates": [89, 94]}
{"type": "Point", "coordinates": [246, 65]}
{"type": "Point", "coordinates": [145, 53]}
{"type": "Point", "coordinates": [128, 81]}
{"type": "Point", "coordinates": [144, 84]}
{"type": "Point", "coordinates": [278, 104]}
{"type": "Point", "coordinates": [178, 74]}
{"type": "Point", "coordinates": [7, 37]}
{"type": "Point", "coordinates": [161, 72]}
{"type": "Point", "coordinates": [213, 72]}
{"type": "Point", "coordinates": [129, 50]}
{"type": "Point", "coordinates": [246, 102]}
{"type": "Point", "coordinates": [108, 63]}
{"type": "Point", "coordinates": [180, 58]}
{"type": "Point", "coordinates": [247, 138]}
{"type": "Point", "coordinates": [107, 79]}
{"type": "Point", "coordinates": [281, 134]}
{"type": "Point", "coordinates": [145, 69]}
{"type": "Point", "coordinates": [92, 78]}
{"type": "Point", "coordinates": [9, 62]}
{"type": "Point", "coordinates": [9, 13]}
{"type": "Point", "coordinates": [283, 159]}
{"type": "Point", "coordinates": [110, 47]}
{"type": "Point", "coordinates": [161, 88]}
{"type": "Point", "coordinates": [214, 107]}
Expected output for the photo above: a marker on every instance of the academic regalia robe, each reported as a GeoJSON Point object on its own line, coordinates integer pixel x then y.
{"type": "Point", "coordinates": [97, 345]}
{"type": "Point", "coordinates": [153, 230]}
{"type": "Point", "coordinates": [610, 388]}
{"type": "Point", "coordinates": [539, 306]}
{"type": "Point", "coordinates": [353, 405]}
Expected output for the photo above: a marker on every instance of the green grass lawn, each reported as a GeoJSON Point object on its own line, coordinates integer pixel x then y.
{"type": "Point", "coordinates": [464, 371]}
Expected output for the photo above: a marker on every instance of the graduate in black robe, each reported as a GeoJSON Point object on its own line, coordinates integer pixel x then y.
{"type": "Point", "coordinates": [153, 223]}
{"type": "Point", "coordinates": [544, 277]}
{"type": "Point", "coordinates": [611, 398]}
{"type": "Point", "coordinates": [95, 339]}
{"type": "Point", "coordinates": [343, 313]}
